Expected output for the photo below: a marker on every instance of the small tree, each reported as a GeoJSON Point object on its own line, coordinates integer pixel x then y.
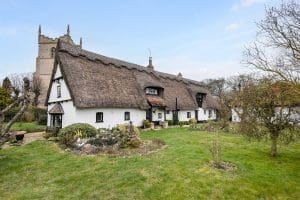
{"type": "Point", "coordinates": [24, 101]}
{"type": "Point", "coordinates": [266, 108]}
{"type": "Point", "coordinates": [5, 98]}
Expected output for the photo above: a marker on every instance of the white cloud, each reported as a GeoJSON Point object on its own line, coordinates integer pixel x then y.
{"type": "Point", "coordinates": [245, 3]}
{"type": "Point", "coordinates": [232, 27]}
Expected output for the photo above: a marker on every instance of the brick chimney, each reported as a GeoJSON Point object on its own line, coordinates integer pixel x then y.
{"type": "Point", "coordinates": [150, 66]}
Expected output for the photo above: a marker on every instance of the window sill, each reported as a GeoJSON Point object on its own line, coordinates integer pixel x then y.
{"type": "Point", "coordinates": [99, 122]}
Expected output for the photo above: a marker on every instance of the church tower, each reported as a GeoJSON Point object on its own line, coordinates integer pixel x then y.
{"type": "Point", "coordinates": [45, 59]}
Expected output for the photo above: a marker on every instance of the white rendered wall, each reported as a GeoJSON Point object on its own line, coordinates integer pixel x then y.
{"type": "Point", "coordinates": [111, 116]}
{"type": "Point", "coordinates": [203, 114]}
{"type": "Point", "coordinates": [182, 115]}
{"type": "Point", "coordinates": [58, 72]}
{"type": "Point", "coordinates": [169, 116]}
{"type": "Point", "coordinates": [65, 94]}
{"type": "Point", "coordinates": [155, 112]}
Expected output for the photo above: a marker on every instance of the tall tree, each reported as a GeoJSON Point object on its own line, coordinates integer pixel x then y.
{"type": "Point", "coordinates": [36, 88]}
{"type": "Point", "coordinates": [276, 51]}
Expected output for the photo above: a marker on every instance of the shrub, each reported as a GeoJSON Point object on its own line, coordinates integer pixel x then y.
{"type": "Point", "coordinates": [11, 113]}
{"type": "Point", "coordinates": [193, 123]}
{"type": "Point", "coordinates": [129, 135]}
{"type": "Point", "coordinates": [71, 133]}
{"type": "Point", "coordinates": [146, 123]}
{"type": "Point", "coordinates": [170, 122]}
{"type": "Point", "coordinates": [27, 117]}
{"type": "Point", "coordinates": [52, 130]}
{"type": "Point", "coordinates": [182, 123]}
{"type": "Point", "coordinates": [40, 115]}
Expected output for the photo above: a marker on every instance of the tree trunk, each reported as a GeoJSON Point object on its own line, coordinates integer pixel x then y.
{"type": "Point", "coordinates": [274, 146]}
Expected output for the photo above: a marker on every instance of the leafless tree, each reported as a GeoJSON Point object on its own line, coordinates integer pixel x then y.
{"type": "Point", "coordinates": [36, 88]}
{"type": "Point", "coordinates": [276, 51]}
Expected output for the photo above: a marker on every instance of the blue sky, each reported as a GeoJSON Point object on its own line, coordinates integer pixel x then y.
{"type": "Point", "coordinates": [199, 38]}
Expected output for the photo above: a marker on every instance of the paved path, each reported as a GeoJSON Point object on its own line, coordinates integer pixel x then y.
{"type": "Point", "coordinates": [28, 138]}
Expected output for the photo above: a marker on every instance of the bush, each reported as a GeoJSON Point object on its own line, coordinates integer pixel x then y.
{"type": "Point", "coordinates": [27, 117]}
{"type": "Point", "coordinates": [182, 123]}
{"type": "Point", "coordinates": [40, 115]}
{"type": "Point", "coordinates": [71, 133]}
{"type": "Point", "coordinates": [129, 135]}
{"type": "Point", "coordinates": [170, 122]}
{"type": "Point", "coordinates": [11, 113]}
{"type": "Point", "coordinates": [52, 130]}
{"type": "Point", "coordinates": [146, 123]}
{"type": "Point", "coordinates": [193, 123]}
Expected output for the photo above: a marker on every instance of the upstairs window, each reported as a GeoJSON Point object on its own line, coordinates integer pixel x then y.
{"type": "Point", "coordinates": [127, 116]}
{"type": "Point", "coordinates": [58, 91]}
{"type": "Point", "coordinates": [188, 115]}
{"type": "Point", "coordinates": [199, 99]}
{"type": "Point", "coordinates": [152, 91]}
{"type": "Point", "coordinates": [99, 117]}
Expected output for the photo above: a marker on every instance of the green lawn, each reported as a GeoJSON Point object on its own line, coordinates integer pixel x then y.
{"type": "Point", "coordinates": [41, 170]}
{"type": "Point", "coordinates": [29, 127]}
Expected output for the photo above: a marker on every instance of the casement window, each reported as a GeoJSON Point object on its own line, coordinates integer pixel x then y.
{"type": "Point", "coordinates": [99, 117]}
{"type": "Point", "coordinates": [58, 91]}
{"type": "Point", "coordinates": [209, 113]}
{"type": "Point", "coordinates": [127, 116]}
{"type": "Point", "coordinates": [188, 115]}
{"type": "Point", "coordinates": [159, 115]}
{"type": "Point", "coordinates": [152, 91]}
{"type": "Point", "coordinates": [167, 112]}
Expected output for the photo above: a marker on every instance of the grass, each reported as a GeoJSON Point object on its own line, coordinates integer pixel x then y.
{"type": "Point", "coordinates": [29, 127]}
{"type": "Point", "coordinates": [41, 170]}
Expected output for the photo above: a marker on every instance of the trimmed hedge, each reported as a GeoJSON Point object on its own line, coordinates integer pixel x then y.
{"type": "Point", "coordinates": [69, 134]}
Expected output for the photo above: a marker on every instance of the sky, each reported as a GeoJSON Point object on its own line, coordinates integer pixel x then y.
{"type": "Point", "coordinates": [200, 38]}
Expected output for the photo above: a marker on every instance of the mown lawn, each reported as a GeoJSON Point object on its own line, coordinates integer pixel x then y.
{"type": "Point", "coordinates": [41, 170]}
{"type": "Point", "coordinates": [29, 127]}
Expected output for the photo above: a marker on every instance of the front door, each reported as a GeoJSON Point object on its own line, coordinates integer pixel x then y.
{"type": "Point", "coordinates": [149, 114]}
{"type": "Point", "coordinates": [56, 120]}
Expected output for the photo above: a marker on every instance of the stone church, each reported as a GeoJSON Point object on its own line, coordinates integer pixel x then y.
{"type": "Point", "coordinates": [45, 58]}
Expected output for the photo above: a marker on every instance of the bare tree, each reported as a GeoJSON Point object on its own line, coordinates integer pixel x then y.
{"type": "Point", "coordinates": [36, 88]}
{"type": "Point", "coordinates": [276, 50]}
{"type": "Point", "coordinates": [24, 101]}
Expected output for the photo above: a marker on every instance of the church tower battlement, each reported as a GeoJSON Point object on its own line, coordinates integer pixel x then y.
{"type": "Point", "coordinates": [45, 59]}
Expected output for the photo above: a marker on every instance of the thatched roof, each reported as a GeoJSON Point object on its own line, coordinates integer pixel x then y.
{"type": "Point", "coordinates": [99, 81]}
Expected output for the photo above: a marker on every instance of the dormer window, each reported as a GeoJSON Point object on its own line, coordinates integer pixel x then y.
{"type": "Point", "coordinates": [152, 91]}
{"type": "Point", "coordinates": [199, 99]}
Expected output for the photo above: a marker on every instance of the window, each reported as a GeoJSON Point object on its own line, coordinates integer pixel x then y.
{"type": "Point", "coordinates": [159, 115]}
{"type": "Point", "coordinates": [188, 115]}
{"type": "Point", "coordinates": [209, 113]}
{"type": "Point", "coordinates": [127, 116]}
{"type": "Point", "coordinates": [99, 117]}
{"type": "Point", "coordinates": [204, 112]}
{"type": "Point", "coordinates": [199, 99]}
{"type": "Point", "coordinates": [152, 91]}
{"type": "Point", "coordinates": [58, 91]}
{"type": "Point", "coordinates": [167, 112]}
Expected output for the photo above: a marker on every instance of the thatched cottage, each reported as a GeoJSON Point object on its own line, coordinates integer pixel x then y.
{"type": "Point", "coordinates": [90, 88]}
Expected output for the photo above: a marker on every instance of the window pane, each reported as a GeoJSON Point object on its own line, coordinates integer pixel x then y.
{"type": "Point", "coordinates": [58, 91]}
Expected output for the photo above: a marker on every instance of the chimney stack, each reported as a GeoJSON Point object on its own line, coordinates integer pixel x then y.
{"type": "Point", "coordinates": [179, 75]}
{"type": "Point", "coordinates": [80, 43]}
{"type": "Point", "coordinates": [150, 66]}
{"type": "Point", "coordinates": [68, 30]}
